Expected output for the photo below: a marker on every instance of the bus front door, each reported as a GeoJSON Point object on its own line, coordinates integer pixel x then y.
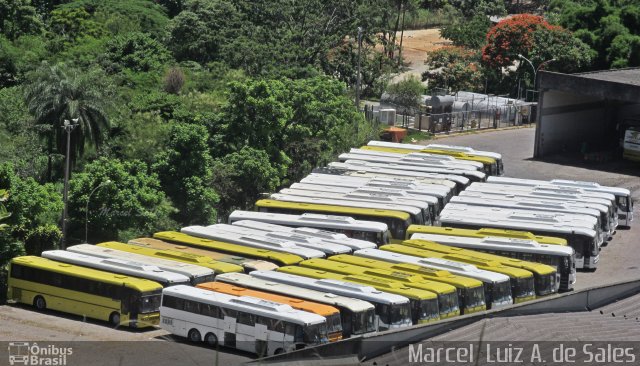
{"type": "Point", "coordinates": [229, 331]}
{"type": "Point", "coordinates": [262, 339]}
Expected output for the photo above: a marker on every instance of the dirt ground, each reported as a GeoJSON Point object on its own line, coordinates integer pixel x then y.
{"type": "Point", "coordinates": [415, 45]}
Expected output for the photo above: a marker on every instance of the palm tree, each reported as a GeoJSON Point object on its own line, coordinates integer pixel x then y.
{"type": "Point", "coordinates": [55, 94]}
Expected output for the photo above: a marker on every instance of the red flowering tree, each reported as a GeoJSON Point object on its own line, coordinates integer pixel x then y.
{"type": "Point", "coordinates": [536, 39]}
{"type": "Point", "coordinates": [455, 68]}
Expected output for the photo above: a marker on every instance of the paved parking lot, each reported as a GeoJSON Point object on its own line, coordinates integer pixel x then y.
{"type": "Point", "coordinates": [620, 260]}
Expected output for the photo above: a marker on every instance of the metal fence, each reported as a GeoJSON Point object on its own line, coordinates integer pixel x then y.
{"type": "Point", "coordinates": [492, 117]}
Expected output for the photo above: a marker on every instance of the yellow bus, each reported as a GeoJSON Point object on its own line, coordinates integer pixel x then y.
{"type": "Point", "coordinates": [424, 304]}
{"type": "Point", "coordinates": [118, 299]}
{"type": "Point", "coordinates": [279, 258]}
{"type": "Point", "coordinates": [199, 260]}
{"type": "Point", "coordinates": [483, 233]}
{"type": "Point", "coordinates": [248, 264]}
{"type": "Point", "coordinates": [334, 324]}
{"type": "Point", "coordinates": [522, 282]}
{"type": "Point", "coordinates": [546, 279]}
{"type": "Point", "coordinates": [490, 164]}
{"type": "Point", "coordinates": [447, 295]}
{"type": "Point", "coordinates": [397, 221]}
{"type": "Point", "coordinates": [470, 291]}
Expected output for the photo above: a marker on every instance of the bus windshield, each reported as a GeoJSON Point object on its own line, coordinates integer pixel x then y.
{"type": "Point", "coordinates": [400, 313]}
{"type": "Point", "coordinates": [475, 297]}
{"type": "Point", "coordinates": [545, 284]}
{"type": "Point", "coordinates": [448, 303]}
{"type": "Point", "coordinates": [333, 323]}
{"type": "Point", "coordinates": [428, 309]}
{"type": "Point", "coordinates": [150, 302]}
{"type": "Point", "coordinates": [501, 291]}
{"type": "Point", "coordinates": [315, 334]}
{"type": "Point", "coordinates": [524, 287]}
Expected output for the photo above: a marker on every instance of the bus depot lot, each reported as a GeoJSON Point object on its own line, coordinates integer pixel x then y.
{"type": "Point", "coordinates": [619, 260]}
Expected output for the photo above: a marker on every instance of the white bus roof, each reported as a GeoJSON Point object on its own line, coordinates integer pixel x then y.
{"type": "Point", "coordinates": [367, 168]}
{"type": "Point", "coordinates": [343, 288]}
{"type": "Point", "coordinates": [464, 149]}
{"type": "Point", "coordinates": [310, 220]}
{"type": "Point", "coordinates": [116, 265]}
{"type": "Point", "coordinates": [411, 186]}
{"type": "Point", "coordinates": [190, 270]}
{"type": "Point", "coordinates": [245, 280]}
{"type": "Point", "coordinates": [458, 268]}
{"type": "Point", "coordinates": [253, 241]}
{"type": "Point", "coordinates": [374, 191]}
{"type": "Point", "coordinates": [324, 235]}
{"type": "Point", "coordinates": [487, 201]}
{"type": "Point", "coordinates": [418, 156]}
{"type": "Point", "coordinates": [399, 203]}
{"type": "Point", "coordinates": [248, 304]}
{"type": "Point", "coordinates": [541, 192]}
{"type": "Point", "coordinates": [497, 243]}
{"type": "Point", "coordinates": [586, 186]}
{"type": "Point", "coordinates": [305, 241]}
{"type": "Point", "coordinates": [410, 160]}
{"type": "Point", "coordinates": [483, 220]}
{"type": "Point", "coordinates": [344, 202]}
{"type": "Point", "coordinates": [520, 214]}
{"type": "Point", "coordinates": [532, 200]}
{"type": "Point", "coordinates": [417, 168]}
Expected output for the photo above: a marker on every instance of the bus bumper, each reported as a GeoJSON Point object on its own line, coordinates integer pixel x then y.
{"type": "Point", "coordinates": [475, 309]}
{"type": "Point", "coordinates": [519, 300]}
{"type": "Point", "coordinates": [449, 314]}
{"type": "Point", "coordinates": [147, 320]}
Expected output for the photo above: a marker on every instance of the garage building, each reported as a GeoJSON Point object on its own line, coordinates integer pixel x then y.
{"type": "Point", "coordinates": [587, 112]}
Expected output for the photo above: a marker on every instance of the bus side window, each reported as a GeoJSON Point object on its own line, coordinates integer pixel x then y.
{"type": "Point", "coordinates": [246, 318]}
{"type": "Point", "coordinates": [276, 325]}
{"type": "Point", "coordinates": [17, 271]}
{"type": "Point", "coordinates": [231, 313]}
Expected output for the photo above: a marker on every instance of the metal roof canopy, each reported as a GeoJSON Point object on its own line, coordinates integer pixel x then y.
{"type": "Point", "coordinates": [620, 84]}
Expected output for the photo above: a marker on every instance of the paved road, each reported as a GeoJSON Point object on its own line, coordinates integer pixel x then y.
{"type": "Point", "coordinates": [620, 259]}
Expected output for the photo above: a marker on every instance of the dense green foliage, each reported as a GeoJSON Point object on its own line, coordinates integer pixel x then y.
{"type": "Point", "coordinates": [407, 92]}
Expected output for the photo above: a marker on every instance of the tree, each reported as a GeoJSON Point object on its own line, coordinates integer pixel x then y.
{"type": "Point", "coordinates": [131, 205]}
{"type": "Point", "coordinates": [240, 178]}
{"type": "Point", "coordinates": [536, 39]}
{"type": "Point", "coordinates": [200, 30]}
{"type": "Point", "coordinates": [406, 93]}
{"type": "Point", "coordinates": [184, 169]}
{"type": "Point", "coordinates": [136, 51]}
{"type": "Point", "coordinates": [35, 211]}
{"type": "Point", "coordinates": [55, 94]}
{"type": "Point", "coordinates": [454, 68]}
{"type": "Point", "coordinates": [470, 33]}
{"type": "Point", "coordinates": [18, 17]}
{"type": "Point", "coordinates": [9, 247]}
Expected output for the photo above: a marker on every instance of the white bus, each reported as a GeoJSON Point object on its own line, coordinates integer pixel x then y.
{"type": "Point", "coordinates": [442, 192]}
{"type": "Point", "coordinates": [563, 258]}
{"type": "Point", "coordinates": [323, 235]}
{"type": "Point", "coordinates": [357, 316]}
{"type": "Point", "coordinates": [424, 160]}
{"type": "Point", "coordinates": [624, 203]}
{"type": "Point", "coordinates": [252, 241]}
{"type": "Point", "coordinates": [414, 212]}
{"type": "Point", "coordinates": [422, 157]}
{"type": "Point", "coordinates": [427, 211]}
{"type": "Point", "coordinates": [370, 231]}
{"type": "Point", "coordinates": [497, 287]}
{"type": "Point", "coordinates": [241, 322]}
{"type": "Point", "coordinates": [473, 175]}
{"type": "Point", "coordinates": [570, 220]}
{"type": "Point", "coordinates": [392, 311]}
{"type": "Point", "coordinates": [533, 203]}
{"type": "Point", "coordinates": [197, 274]}
{"type": "Point", "coordinates": [120, 266]}
{"type": "Point", "coordinates": [430, 205]}
{"type": "Point", "coordinates": [386, 180]}
{"type": "Point", "coordinates": [462, 149]}
{"type": "Point", "coordinates": [460, 181]}
{"type": "Point", "coordinates": [584, 241]}
{"type": "Point", "coordinates": [549, 193]}
{"type": "Point", "coordinates": [327, 247]}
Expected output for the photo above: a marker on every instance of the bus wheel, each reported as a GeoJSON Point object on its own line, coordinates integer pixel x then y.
{"type": "Point", "coordinates": [194, 335]}
{"type": "Point", "coordinates": [278, 351]}
{"type": "Point", "coordinates": [211, 339]}
{"type": "Point", "coordinates": [39, 303]}
{"type": "Point", "coordinates": [114, 319]}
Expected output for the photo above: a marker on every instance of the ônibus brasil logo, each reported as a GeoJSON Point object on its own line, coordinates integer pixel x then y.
{"type": "Point", "coordinates": [25, 353]}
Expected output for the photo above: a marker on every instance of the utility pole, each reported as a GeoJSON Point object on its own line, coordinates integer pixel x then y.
{"type": "Point", "coordinates": [358, 75]}
{"type": "Point", "coordinates": [68, 127]}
